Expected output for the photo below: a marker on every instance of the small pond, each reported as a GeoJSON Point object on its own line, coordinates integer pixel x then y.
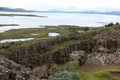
{"type": "Point", "coordinates": [15, 40]}
{"type": "Point", "coordinates": [52, 34]}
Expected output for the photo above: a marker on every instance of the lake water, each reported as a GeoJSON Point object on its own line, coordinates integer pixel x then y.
{"type": "Point", "coordinates": [53, 34]}
{"type": "Point", "coordinates": [15, 40]}
{"type": "Point", "coordinates": [93, 20]}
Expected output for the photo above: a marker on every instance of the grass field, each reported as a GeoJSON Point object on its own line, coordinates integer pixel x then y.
{"type": "Point", "coordinates": [100, 72]}
{"type": "Point", "coordinates": [32, 32]}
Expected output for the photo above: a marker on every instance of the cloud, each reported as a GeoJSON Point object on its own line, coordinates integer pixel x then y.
{"type": "Point", "coordinates": [63, 4]}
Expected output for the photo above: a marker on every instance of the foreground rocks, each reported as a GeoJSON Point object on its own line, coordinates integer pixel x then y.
{"type": "Point", "coordinates": [10, 70]}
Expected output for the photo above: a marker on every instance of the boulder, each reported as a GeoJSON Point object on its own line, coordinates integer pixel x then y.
{"type": "Point", "coordinates": [80, 55]}
{"type": "Point", "coordinates": [41, 72]}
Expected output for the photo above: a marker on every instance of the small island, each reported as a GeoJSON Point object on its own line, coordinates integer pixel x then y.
{"type": "Point", "coordinates": [25, 15]}
{"type": "Point", "coordinates": [2, 25]}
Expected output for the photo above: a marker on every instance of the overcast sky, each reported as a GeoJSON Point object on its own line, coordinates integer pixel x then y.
{"type": "Point", "coordinates": [69, 5]}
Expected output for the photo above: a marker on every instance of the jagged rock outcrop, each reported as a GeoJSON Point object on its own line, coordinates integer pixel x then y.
{"type": "Point", "coordinates": [104, 57]}
{"type": "Point", "coordinates": [102, 49]}
{"type": "Point", "coordinates": [106, 48]}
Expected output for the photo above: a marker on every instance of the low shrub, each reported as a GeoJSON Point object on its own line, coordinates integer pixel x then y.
{"type": "Point", "coordinates": [113, 49]}
{"type": "Point", "coordinates": [65, 75]}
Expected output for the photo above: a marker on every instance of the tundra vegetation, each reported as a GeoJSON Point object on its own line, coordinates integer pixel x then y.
{"type": "Point", "coordinates": [46, 50]}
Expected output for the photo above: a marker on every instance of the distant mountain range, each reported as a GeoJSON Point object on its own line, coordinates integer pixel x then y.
{"type": "Point", "coordinates": [107, 12]}
{"type": "Point", "coordinates": [58, 11]}
{"type": "Point", "coordinates": [6, 9]}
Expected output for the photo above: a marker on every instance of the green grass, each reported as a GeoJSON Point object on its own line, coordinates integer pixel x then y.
{"type": "Point", "coordinates": [89, 73]}
{"type": "Point", "coordinates": [99, 73]}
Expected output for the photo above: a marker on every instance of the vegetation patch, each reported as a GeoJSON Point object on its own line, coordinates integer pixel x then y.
{"type": "Point", "coordinates": [98, 72]}
{"type": "Point", "coordinates": [65, 75]}
{"type": "Point", "coordinates": [113, 49]}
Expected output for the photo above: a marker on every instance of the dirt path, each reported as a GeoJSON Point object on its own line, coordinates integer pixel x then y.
{"type": "Point", "coordinates": [115, 73]}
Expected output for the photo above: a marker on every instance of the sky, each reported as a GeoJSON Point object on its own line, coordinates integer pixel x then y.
{"type": "Point", "coordinates": [66, 5]}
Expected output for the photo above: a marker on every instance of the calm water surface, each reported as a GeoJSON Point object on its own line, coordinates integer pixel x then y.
{"type": "Point", "coordinates": [93, 20]}
{"type": "Point", "coordinates": [15, 40]}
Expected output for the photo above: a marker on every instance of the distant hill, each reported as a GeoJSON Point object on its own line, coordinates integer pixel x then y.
{"type": "Point", "coordinates": [85, 12]}
{"type": "Point", "coordinates": [6, 9]}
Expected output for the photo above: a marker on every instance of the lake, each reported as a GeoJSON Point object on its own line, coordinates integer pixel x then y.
{"type": "Point", "coordinates": [93, 20]}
